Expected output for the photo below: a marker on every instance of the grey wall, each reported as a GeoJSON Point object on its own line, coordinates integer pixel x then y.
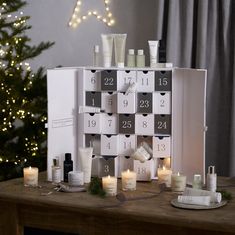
{"type": "Point", "coordinates": [49, 20]}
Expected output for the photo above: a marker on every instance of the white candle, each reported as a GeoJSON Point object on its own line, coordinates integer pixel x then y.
{"type": "Point", "coordinates": [109, 184]}
{"type": "Point", "coordinates": [164, 176]}
{"type": "Point", "coordinates": [178, 182]}
{"type": "Point", "coordinates": [128, 180]}
{"type": "Point", "coordinates": [31, 176]}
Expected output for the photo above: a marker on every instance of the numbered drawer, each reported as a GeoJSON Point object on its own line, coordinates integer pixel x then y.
{"type": "Point", "coordinates": [108, 166]}
{"type": "Point", "coordinates": [93, 98]}
{"type": "Point", "coordinates": [163, 80]}
{"type": "Point", "coordinates": [92, 80]}
{"type": "Point", "coordinates": [126, 103]}
{"type": "Point", "coordinates": [109, 102]}
{"type": "Point", "coordinates": [144, 124]}
{"type": "Point", "coordinates": [92, 123]}
{"type": "Point", "coordinates": [144, 171]}
{"type": "Point", "coordinates": [125, 163]}
{"type": "Point", "coordinates": [109, 80]}
{"type": "Point", "coordinates": [125, 79]}
{"type": "Point", "coordinates": [109, 123]}
{"type": "Point", "coordinates": [109, 145]}
{"type": "Point", "coordinates": [93, 140]}
{"type": "Point", "coordinates": [144, 102]}
{"type": "Point", "coordinates": [162, 102]}
{"type": "Point", "coordinates": [145, 139]}
{"type": "Point", "coordinates": [162, 124]}
{"type": "Point", "coordinates": [145, 81]}
{"type": "Point", "coordinates": [126, 123]}
{"type": "Point", "coordinates": [161, 146]}
{"type": "Point", "coordinates": [127, 144]}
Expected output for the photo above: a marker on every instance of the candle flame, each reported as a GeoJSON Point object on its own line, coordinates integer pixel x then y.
{"type": "Point", "coordinates": [164, 168]}
{"type": "Point", "coordinates": [178, 174]}
{"type": "Point", "coordinates": [30, 168]}
{"type": "Point", "coordinates": [108, 176]}
{"type": "Point", "coordinates": [128, 170]}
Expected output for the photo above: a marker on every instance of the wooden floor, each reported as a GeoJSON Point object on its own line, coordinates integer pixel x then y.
{"type": "Point", "coordinates": [82, 213]}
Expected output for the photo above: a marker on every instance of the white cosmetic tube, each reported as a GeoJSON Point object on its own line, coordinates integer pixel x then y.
{"type": "Point", "coordinates": [119, 48]}
{"type": "Point", "coordinates": [107, 42]}
{"type": "Point", "coordinates": [153, 52]}
{"type": "Point", "coordinates": [195, 200]}
{"type": "Point", "coordinates": [214, 197]}
{"type": "Point", "coordinates": [85, 155]}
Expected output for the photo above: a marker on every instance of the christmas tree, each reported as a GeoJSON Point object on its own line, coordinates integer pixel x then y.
{"type": "Point", "coordinates": [23, 103]}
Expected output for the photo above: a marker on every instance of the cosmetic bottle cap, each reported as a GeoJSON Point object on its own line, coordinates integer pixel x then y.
{"type": "Point", "coordinates": [131, 51]}
{"type": "Point", "coordinates": [68, 157]}
{"type": "Point", "coordinates": [54, 162]}
{"type": "Point", "coordinates": [96, 48]}
{"type": "Point", "coordinates": [140, 52]}
{"type": "Point", "coordinates": [211, 170]}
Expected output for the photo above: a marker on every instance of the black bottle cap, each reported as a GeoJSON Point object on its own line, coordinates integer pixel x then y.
{"type": "Point", "coordinates": [68, 157]}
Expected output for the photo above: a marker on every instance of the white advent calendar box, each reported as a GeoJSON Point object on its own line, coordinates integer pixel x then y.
{"type": "Point", "coordinates": [144, 124]}
{"type": "Point", "coordinates": [166, 110]}
{"type": "Point", "coordinates": [126, 103]}
{"type": "Point", "coordinates": [144, 171]}
{"type": "Point", "coordinates": [127, 145]}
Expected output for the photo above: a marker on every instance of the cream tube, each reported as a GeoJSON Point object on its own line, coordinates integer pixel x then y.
{"type": "Point", "coordinates": [195, 200]}
{"type": "Point", "coordinates": [85, 155]}
{"type": "Point", "coordinates": [119, 49]}
{"type": "Point", "coordinates": [107, 42]}
{"type": "Point", "coordinates": [214, 197]}
{"type": "Point", "coordinates": [153, 52]}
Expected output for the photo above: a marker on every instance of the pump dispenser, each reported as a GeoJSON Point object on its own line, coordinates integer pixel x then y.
{"type": "Point", "coordinates": [68, 166]}
{"type": "Point", "coordinates": [211, 179]}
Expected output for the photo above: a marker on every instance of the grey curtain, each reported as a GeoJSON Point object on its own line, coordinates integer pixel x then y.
{"type": "Point", "coordinates": [201, 34]}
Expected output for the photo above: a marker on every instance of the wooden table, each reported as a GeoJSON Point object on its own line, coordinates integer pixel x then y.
{"type": "Point", "coordinates": [82, 213]}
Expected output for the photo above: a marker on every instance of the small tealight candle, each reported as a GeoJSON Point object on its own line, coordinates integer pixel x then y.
{"type": "Point", "coordinates": [178, 182]}
{"type": "Point", "coordinates": [109, 184]}
{"type": "Point", "coordinates": [128, 180]}
{"type": "Point", "coordinates": [164, 176]}
{"type": "Point", "coordinates": [31, 176]}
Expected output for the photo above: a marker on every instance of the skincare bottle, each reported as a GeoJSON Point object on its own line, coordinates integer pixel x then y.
{"type": "Point", "coordinates": [140, 59]}
{"type": "Point", "coordinates": [197, 181]}
{"type": "Point", "coordinates": [131, 58]}
{"type": "Point", "coordinates": [211, 180]}
{"type": "Point", "coordinates": [96, 56]}
{"type": "Point", "coordinates": [68, 166]}
{"type": "Point", "coordinates": [56, 171]}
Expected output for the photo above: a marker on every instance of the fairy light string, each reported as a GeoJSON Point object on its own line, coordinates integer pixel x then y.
{"type": "Point", "coordinates": [78, 18]}
{"type": "Point", "coordinates": [14, 108]}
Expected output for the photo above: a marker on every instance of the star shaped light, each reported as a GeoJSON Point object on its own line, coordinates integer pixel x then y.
{"type": "Point", "coordinates": [77, 18]}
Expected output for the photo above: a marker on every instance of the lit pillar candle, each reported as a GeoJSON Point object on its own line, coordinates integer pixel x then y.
{"type": "Point", "coordinates": [109, 184]}
{"type": "Point", "coordinates": [31, 176]}
{"type": "Point", "coordinates": [128, 180]}
{"type": "Point", "coordinates": [164, 176]}
{"type": "Point", "coordinates": [178, 182]}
